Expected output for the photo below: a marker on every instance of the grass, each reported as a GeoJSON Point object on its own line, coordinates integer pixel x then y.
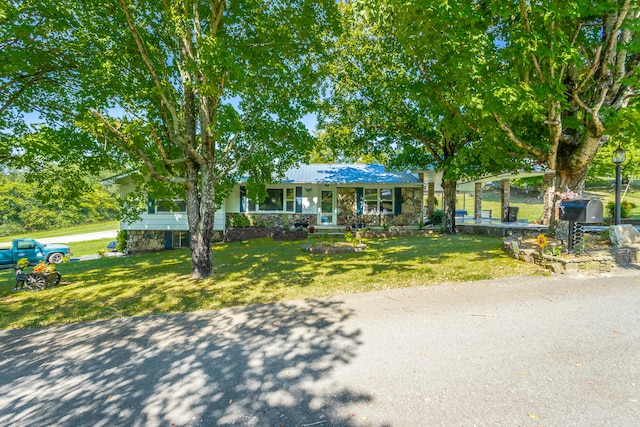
{"type": "Point", "coordinates": [246, 273]}
{"type": "Point", "coordinates": [89, 247]}
{"type": "Point", "coordinates": [530, 206]}
{"type": "Point", "coordinates": [78, 229]}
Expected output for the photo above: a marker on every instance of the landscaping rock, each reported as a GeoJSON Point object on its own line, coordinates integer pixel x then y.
{"type": "Point", "coordinates": [556, 267]}
{"type": "Point", "coordinates": [623, 235]}
{"type": "Point", "coordinates": [336, 249]}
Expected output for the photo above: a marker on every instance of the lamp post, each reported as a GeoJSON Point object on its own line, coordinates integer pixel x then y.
{"type": "Point", "coordinates": [619, 157]}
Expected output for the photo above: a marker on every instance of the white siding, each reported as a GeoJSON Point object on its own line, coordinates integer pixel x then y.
{"type": "Point", "coordinates": [170, 221]}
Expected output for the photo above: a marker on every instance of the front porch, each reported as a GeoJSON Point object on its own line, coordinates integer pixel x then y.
{"type": "Point", "coordinates": [495, 227]}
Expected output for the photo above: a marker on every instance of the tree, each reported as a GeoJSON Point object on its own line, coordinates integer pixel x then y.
{"type": "Point", "coordinates": [570, 67]}
{"type": "Point", "coordinates": [626, 134]}
{"type": "Point", "coordinates": [397, 89]}
{"type": "Point", "coordinates": [28, 207]}
{"type": "Point", "coordinates": [546, 82]}
{"type": "Point", "coordinates": [196, 93]}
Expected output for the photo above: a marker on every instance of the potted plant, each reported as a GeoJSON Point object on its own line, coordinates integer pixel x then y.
{"type": "Point", "coordinates": [46, 274]}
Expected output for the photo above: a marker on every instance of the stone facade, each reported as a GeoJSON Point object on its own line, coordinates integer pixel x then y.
{"type": "Point", "coordinates": [282, 220]}
{"type": "Point", "coordinates": [412, 201]}
{"type": "Point", "coordinates": [145, 241]}
{"type": "Point", "coordinates": [411, 208]}
{"type": "Point", "coordinates": [152, 240]}
{"type": "Point", "coordinates": [346, 204]}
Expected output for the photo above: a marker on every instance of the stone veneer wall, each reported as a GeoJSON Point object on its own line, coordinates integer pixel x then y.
{"type": "Point", "coordinates": [411, 207]}
{"type": "Point", "coordinates": [145, 241]}
{"type": "Point", "coordinates": [153, 240]}
{"type": "Point", "coordinates": [346, 204]}
{"type": "Point", "coordinates": [285, 220]}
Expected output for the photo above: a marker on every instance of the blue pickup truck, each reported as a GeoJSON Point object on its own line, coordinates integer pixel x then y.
{"type": "Point", "coordinates": [33, 251]}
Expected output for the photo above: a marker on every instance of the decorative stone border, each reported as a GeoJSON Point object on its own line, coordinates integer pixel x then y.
{"type": "Point", "coordinates": [373, 234]}
{"type": "Point", "coordinates": [319, 249]}
{"type": "Point", "coordinates": [593, 262]}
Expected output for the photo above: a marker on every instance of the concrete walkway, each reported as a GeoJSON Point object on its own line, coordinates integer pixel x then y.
{"type": "Point", "coordinates": [555, 351]}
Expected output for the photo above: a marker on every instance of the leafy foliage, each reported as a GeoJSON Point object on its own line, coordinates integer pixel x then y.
{"type": "Point", "coordinates": [121, 240]}
{"type": "Point", "coordinates": [26, 207]}
{"type": "Point", "coordinates": [191, 95]}
{"type": "Point", "coordinates": [625, 208]}
{"type": "Point", "coordinates": [398, 92]}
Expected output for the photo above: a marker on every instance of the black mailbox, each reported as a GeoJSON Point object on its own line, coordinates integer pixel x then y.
{"type": "Point", "coordinates": [585, 211]}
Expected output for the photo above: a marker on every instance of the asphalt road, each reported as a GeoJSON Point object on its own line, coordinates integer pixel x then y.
{"type": "Point", "coordinates": [556, 351]}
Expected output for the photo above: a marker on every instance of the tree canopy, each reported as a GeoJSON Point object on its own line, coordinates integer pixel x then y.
{"type": "Point", "coordinates": [470, 87]}
{"type": "Point", "coordinates": [192, 95]}
{"type": "Point", "coordinates": [569, 67]}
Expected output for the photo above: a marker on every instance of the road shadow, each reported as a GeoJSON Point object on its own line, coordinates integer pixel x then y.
{"type": "Point", "coordinates": [267, 365]}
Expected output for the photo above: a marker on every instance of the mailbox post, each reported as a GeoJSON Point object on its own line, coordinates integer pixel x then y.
{"type": "Point", "coordinates": [578, 212]}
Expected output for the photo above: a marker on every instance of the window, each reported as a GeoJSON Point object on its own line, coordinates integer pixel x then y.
{"type": "Point", "coordinates": [171, 206]}
{"type": "Point", "coordinates": [378, 200]}
{"type": "Point", "coordinates": [273, 201]}
{"type": "Point", "coordinates": [386, 201]}
{"type": "Point", "coordinates": [291, 198]}
{"type": "Point", "coordinates": [277, 199]}
{"type": "Point", "coordinates": [180, 239]}
{"type": "Point", "coordinates": [26, 245]}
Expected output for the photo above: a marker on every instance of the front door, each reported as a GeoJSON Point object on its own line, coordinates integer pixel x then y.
{"type": "Point", "coordinates": [327, 207]}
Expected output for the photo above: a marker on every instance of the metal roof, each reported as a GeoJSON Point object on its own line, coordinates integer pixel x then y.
{"type": "Point", "coordinates": [348, 174]}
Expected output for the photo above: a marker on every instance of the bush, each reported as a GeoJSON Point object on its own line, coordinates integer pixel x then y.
{"type": "Point", "coordinates": [121, 240]}
{"type": "Point", "coordinates": [237, 220]}
{"type": "Point", "coordinates": [625, 209]}
{"type": "Point", "coordinates": [436, 217]}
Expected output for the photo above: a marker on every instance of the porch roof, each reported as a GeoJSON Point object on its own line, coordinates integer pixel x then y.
{"type": "Point", "coordinates": [348, 174]}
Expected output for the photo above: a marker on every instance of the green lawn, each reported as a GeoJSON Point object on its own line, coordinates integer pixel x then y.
{"type": "Point", "coordinates": [78, 229]}
{"type": "Point", "coordinates": [89, 247]}
{"type": "Point", "coordinates": [253, 272]}
{"type": "Point", "coordinates": [530, 206]}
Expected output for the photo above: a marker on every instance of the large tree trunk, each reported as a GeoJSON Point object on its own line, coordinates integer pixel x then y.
{"type": "Point", "coordinates": [548, 190]}
{"type": "Point", "coordinates": [573, 161]}
{"type": "Point", "coordinates": [199, 189]}
{"type": "Point", "coordinates": [201, 216]}
{"type": "Point", "coordinates": [449, 202]}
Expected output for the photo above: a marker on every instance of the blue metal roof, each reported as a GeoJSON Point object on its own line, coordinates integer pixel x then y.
{"type": "Point", "coordinates": [348, 174]}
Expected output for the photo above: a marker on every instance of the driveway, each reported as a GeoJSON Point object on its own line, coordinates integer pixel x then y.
{"type": "Point", "coordinates": [561, 350]}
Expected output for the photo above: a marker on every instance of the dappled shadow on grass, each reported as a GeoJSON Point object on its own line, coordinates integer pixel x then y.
{"type": "Point", "coordinates": [265, 365]}
{"type": "Point", "coordinates": [247, 273]}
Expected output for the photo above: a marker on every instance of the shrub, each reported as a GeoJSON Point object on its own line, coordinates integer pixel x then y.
{"type": "Point", "coordinates": [625, 209]}
{"type": "Point", "coordinates": [348, 237]}
{"type": "Point", "coordinates": [436, 217]}
{"type": "Point", "coordinates": [121, 240]}
{"type": "Point", "coordinates": [237, 220]}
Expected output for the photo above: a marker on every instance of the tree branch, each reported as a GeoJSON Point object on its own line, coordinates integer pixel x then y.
{"type": "Point", "coordinates": [142, 51]}
{"type": "Point", "coordinates": [517, 141]}
{"type": "Point", "coordinates": [130, 148]}
{"type": "Point", "coordinates": [527, 26]}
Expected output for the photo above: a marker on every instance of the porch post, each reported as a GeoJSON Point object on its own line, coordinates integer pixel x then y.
{"type": "Point", "coordinates": [505, 193]}
{"type": "Point", "coordinates": [477, 202]}
{"type": "Point", "coordinates": [431, 197]}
